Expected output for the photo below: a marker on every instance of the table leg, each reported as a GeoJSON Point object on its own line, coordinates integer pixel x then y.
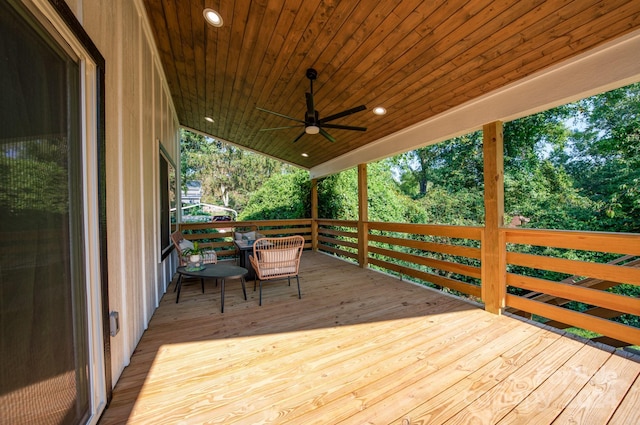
{"type": "Point", "coordinates": [244, 290]}
{"type": "Point", "coordinates": [247, 264]}
{"type": "Point", "coordinates": [222, 296]}
{"type": "Point", "coordinates": [178, 286]}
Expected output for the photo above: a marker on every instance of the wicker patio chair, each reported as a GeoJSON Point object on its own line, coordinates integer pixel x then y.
{"type": "Point", "coordinates": [208, 255]}
{"type": "Point", "coordinates": [277, 258]}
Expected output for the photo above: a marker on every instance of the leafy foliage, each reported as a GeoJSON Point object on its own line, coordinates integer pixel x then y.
{"type": "Point", "coordinates": [229, 175]}
{"type": "Point", "coordinates": [35, 177]}
{"type": "Point", "coordinates": [283, 196]}
{"type": "Point", "coordinates": [605, 157]}
{"type": "Point", "coordinates": [338, 197]}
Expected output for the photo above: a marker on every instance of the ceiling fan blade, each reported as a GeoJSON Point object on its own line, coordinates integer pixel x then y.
{"type": "Point", "coordinates": [343, 114]}
{"type": "Point", "coordinates": [298, 138]}
{"type": "Point", "coordinates": [280, 128]}
{"type": "Point", "coordinates": [344, 127]}
{"type": "Point", "coordinates": [310, 107]}
{"type": "Point", "coordinates": [280, 115]}
{"type": "Point", "coordinates": [327, 136]}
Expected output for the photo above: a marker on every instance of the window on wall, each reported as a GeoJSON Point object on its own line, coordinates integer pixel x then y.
{"type": "Point", "coordinates": [167, 201]}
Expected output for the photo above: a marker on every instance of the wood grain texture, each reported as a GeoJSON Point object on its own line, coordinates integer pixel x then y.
{"type": "Point", "coordinates": [623, 243]}
{"type": "Point", "coordinates": [360, 347]}
{"type": "Point", "coordinates": [612, 272]}
{"type": "Point", "coordinates": [418, 58]}
{"type": "Point", "coordinates": [443, 281]}
{"type": "Point", "coordinates": [457, 250]}
{"type": "Point", "coordinates": [493, 246]}
{"type": "Point", "coordinates": [622, 303]}
{"type": "Point", "coordinates": [609, 328]}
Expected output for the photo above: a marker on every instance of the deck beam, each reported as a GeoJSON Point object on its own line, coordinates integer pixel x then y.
{"type": "Point", "coordinates": [314, 214]}
{"type": "Point", "coordinates": [363, 217]}
{"type": "Point", "coordinates": [493, 246]}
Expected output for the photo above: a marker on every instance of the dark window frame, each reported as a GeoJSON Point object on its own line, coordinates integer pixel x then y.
{"type": "Point", "coordinates": [167, 193]}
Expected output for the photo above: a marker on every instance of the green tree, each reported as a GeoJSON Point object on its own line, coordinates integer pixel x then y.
{"type": "Point", "coordinates": [283, 196]}
{"type": "Point", "coordinates": [447, 178]}
{"type": "Point", "coordinates": [454, 164]}
{"type": "Point", "coordinates": [228, 174]}
{"type": "Point", "coordinates": [338, 196]}
{"type": "Point", "coordinates": [604, 157]}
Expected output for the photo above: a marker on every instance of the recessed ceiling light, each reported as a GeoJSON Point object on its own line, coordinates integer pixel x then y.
{"type": "Point", "coordinates": [208, 119]}
{"type": "Point", "coordinates": [379, 110]}
{"type": "Point", "coordinates": [306, 155]}
{"type": "Point", "coordinates": [212, 17]}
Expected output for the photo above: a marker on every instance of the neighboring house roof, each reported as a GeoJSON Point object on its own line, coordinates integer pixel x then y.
{"type": "Point", "coordinates": [193, 194]}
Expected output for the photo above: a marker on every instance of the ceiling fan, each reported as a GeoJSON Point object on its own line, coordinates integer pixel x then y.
{"type": "Point", "coordinates": [312, 122]}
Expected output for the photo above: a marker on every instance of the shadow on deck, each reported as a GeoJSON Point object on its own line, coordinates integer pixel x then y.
{"type": "Point", "coordinates": [362, 347]}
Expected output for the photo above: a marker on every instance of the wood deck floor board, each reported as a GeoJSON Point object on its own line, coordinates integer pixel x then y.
{"type": "Point", "coordinates": [548, 400]}
{"type": "Point", "coordinates": [492, 405]}
{"type": "Point", "coordinates": [359, 347]}
{"type": "Point", "coordinates": [402, 387]}
{"type": "Point", "coordinates": [452, 388]}
{"type": "Point", "coordinates": [627, 411]}
{"type": "Point", "coordinates": [311, 355]}
{"type": "Point", "coordinates": [399, 363]}
{"type": "Point", "coordinates": [600, 397]}
{"type": "Point", "coordinates": [247, 348]}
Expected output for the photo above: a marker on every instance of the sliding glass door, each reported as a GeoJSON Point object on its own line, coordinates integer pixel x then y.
{"type": "Point", "coordinates": [44, 324]}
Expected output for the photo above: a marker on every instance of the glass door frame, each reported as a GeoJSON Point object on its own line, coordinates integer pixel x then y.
{"type": "Point", "coordinates": [61, 23]}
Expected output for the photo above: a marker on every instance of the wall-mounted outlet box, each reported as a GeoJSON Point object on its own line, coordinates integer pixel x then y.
{"type": "Point", "coordinates": [114, 323]}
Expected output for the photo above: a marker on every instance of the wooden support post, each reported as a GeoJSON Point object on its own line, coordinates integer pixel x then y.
{"type": "Point", "coordinates": [314, 214]}
{"type": "Point", "coordinates": [363, 217]}
{"type": "Point", "coordinates": [493, 245]}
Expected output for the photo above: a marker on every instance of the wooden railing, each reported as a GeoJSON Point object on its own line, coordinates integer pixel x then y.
{"type": "Point", "coordinates": [449, 257]}
{"type": "Point", "coordinates": [338, 237]}
{"type": "Point", "coordinates": [445, 256]}
{"type": "Point", "coordinates": [219, 234]}
{"type": "Point", "coordinates": [587, 283]}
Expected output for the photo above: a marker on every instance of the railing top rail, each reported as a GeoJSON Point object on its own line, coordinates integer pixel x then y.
{"type": "Point", "coordinates": [465, 232]}
{"type": "Point", "coordinates": [334, 222]}
{"type": "Point", "coordinates": [608, 242]}
{"type": "Point", "coordinates": [259, 223]}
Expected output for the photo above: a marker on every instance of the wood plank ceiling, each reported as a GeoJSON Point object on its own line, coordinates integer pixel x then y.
{"type": "Point", "coordinates": [415, 58]}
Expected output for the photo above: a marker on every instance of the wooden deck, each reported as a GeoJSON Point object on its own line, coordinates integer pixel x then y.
{"type": "Point", "coordinates": [361, 347]}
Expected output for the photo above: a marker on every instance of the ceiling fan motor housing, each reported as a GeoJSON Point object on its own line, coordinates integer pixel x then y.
{"type": "Point", "coordinates": [311, 119]}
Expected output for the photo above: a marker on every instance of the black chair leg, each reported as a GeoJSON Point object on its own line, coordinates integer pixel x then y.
{"type": "Point", "coordinates": [299, 294]}
{"type": "Point", "coordinates": [260, 293]}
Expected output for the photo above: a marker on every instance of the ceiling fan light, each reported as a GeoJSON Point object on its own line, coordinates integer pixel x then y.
{"type": "Point", "coordinates": [312, 129]}
{"type": "Point", "coordinates": [212, 17]}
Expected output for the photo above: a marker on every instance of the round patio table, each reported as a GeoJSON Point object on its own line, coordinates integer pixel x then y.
{"type": "Point", "coordinates": [215, 271]}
